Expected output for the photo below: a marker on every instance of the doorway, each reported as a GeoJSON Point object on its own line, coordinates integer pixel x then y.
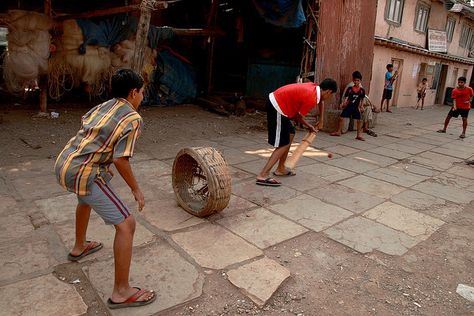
{"type": "Point", "coordinates": [441, 84]}
{"type": "Point", "coordinates": [397, 68]}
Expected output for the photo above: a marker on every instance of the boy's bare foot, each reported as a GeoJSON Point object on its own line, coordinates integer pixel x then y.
{"type": "Point", "coordinates": [133, 297]}
{"type": "Point", "coordinates": [389, 111]}
{"type": "Point", "coordinates": [441, 131]}
{"type": "Point", "coordinates": [462, 135]}
{"type": "Point", "coordinates": [360, 138]}
{"type": "Point", "coordinates": [335, 134]}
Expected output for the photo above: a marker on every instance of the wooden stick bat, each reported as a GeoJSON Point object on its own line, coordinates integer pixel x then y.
{"type": "Point", "coordinates": [291, 162]}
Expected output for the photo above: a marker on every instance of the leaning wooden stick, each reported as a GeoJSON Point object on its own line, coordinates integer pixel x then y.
{"type": "Point", "coordinates": [291, 162]}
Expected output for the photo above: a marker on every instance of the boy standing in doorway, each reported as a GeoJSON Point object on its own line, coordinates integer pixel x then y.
{"type": "Point", "coordinates": [388, 87]}
{"type": "Point", "coordinates": [421, 91]}
{"type": "Point", "coordinates": [461, 96]}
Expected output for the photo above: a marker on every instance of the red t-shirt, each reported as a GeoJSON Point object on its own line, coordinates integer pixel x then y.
{"type": "Point", "coordinates": [296, 97]}
{"type": "Point", "coordinates": [461, 96]}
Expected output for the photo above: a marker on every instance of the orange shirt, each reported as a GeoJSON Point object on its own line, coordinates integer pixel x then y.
{"type": "Point", "coordinates": [463, 97]}
{"type": "Point", "coordinates": [295, 98]}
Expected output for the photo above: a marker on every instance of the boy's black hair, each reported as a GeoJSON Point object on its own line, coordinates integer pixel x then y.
{"type": "Point", "coordinates": [463, 79]}
{"type": "Point", "coordinates": [124, 81]}
{"type": "Point", "coordinates": [356, 75]}
{"type": "Point", "coordinates": [328, 84]}
{"type": "Point", "coordinates": [424, 79]}
{"type": "Point", "coordinates": [389, 66]}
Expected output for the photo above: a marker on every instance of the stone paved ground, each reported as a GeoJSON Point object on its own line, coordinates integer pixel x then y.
{"type": "Point", "coordinates": [345, 236]}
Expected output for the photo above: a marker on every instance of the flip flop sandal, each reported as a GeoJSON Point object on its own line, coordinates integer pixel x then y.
{"type": "Point", "coordinates": [132, 300]}
{"type": "Point", "coordinates": [441, 131]}
{"type": "Point", "coordinates": [462, 136]}
{"type": "Point", "coordinates": [288, 174]}
{"type": "Point", "coordinates": [269, 182]}
{"type": "Point", "coordinates": [371, 133]}
{"type": "Point", "coordinates": [360, 138]}
{"type": "Point", "coordinates": [88, 251]}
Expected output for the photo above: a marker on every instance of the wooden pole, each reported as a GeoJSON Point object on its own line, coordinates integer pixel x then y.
{"type": "Point", "coordinates": [142, 35]}
{"type": "Point", "coordinates": [43, 79]}
{"type": "Point", "coordinates": [211, 22]}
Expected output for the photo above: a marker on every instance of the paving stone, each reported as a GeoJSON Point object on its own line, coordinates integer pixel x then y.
{"type": "Point", "coordinates": [453, 153]}
{"type": "Point", "coordinates": [359, 145]}
{"type": "Point", "coordinates": [396, 175]}
{"type": "Point", "coordinates": [99, 231]}
{"type": "Point", "coordinates": [405, 148]}
{"type": "Point", "coordinates": [311, 212]}
{"type": "Point", "coordinates": [29, 169]}
{"type": "Point", "coordinates": [144, 170]}
{"type": "Point", "coordinates": [303, 181]}
{"type": "Point", "coordinates": [24, 256]}
{"type": "Point", "coordinates": [374, 159]}
{"type": "Point", "coordinates": [447, 192]}
{"type": "Point", "coordinates": [262, 195]}
{"type": "Point", "coordinates": [8, 205]}
{"type": "Point", "coordinates": [352, 164]}
{"type": "Point", "coordinates": [416, 169]}
{"type": "Point", "coordinates": [462, 170]}
{"type": "Point", "coordinates": [326, 172]}
{"type": "Point", "coordinates": [446, 212]}
{"type": "Point", "coordinates": [238, 175]}
{"type": "Point", "coordinates": [235, 156]}
{"type": "Point", "coordinates": [14, 225]}
{"type": "Point", "coordinates": [34, 297]}
{"type": "Point", "coordinates": [234, 141]}
{"type": "Point", "coordinates": [413, 142]}
{"type": "Point", "coordinates": [417, 200]}
{"type": "Point", "coordinates": [39, 187]}
{"type": "Point", "coordinates": [348, 198]}
{"type": "Point", "coordinates": [253, 167]}
{"type": "Point", "coordinates": [156, 266]}
{"type": "Point", "coordinates": [434, 160]}
{"type": "Point", "coordinates": [60, 208]}
{"type": "Point", "coordinates": [429, 141]}
{"type": "Point", "coordinates": [215, 247]}
{"type": "Point", "coordinates": [262, 228]}
{"type": "Point", "coordinates": [399, 135]}
{"type": "Point", "coordinates": [454, 180]}
{"type": "Point", "coordinates": [390, 152]}
{"type": "Point", "coordinates": [259, 280]}
{"type": "Point", "coordinates": [372, 186]}
{"type": "Point", "coordinates": [167, 215]}
{"type": "Point", "coordinates": [169, 150]}
{"type": "Point", "coordinates": [404, 219]}
{"type": "Point", "coordinates": [236, 205]}
{"type": "Point", "coordinates": [342, 150]}
{"type": "Point", "coordinates": [414, 131]}
{"type": "Point", "coordinates": [364, 235]}
{"type": "Point", "coordinates": [4, 188]}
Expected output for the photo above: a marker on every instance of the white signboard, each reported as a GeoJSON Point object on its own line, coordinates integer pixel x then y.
{"type": "Point", "coordinates": [437, 41]}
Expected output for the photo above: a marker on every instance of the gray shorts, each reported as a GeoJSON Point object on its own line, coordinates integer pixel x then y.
{"type": "Point", "coordinates": [105, 202]}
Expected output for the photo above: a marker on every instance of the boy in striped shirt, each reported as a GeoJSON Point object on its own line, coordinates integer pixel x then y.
{"type": "Point", "coordinates": [108, 135]}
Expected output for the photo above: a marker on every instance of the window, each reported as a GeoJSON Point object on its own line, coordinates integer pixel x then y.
{"type": "Point", "coordinates": [464, 73]}
{"type": "Point", "coordinates": [450, 24]}
{"type": "Point", "coordinates": [466, 36]}
{"type": "Point", "coordinates": [421, 17]}
{"type": "Point", "coordinates": [394, 10]}
{"type": "Point", "coordinates": [455, 77]}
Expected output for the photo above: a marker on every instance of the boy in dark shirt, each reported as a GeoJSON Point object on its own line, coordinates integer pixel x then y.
{"type": "Point", "coordinates": [352, 105]}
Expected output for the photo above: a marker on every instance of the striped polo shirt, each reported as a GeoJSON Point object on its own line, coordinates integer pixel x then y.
{"type": "Point", "coordinates": [108, 131]}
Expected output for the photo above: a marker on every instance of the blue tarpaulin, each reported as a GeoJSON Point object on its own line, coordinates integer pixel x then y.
{"type": "Point", "coordinates": [285, 13]}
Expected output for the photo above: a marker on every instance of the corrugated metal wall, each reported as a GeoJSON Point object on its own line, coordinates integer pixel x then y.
{"type": "Point", "coordinates": [346, 40]}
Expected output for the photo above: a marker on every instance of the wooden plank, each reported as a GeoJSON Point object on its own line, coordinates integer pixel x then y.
{"type": "Point", "coordinates": [141, 37]}
{"type": "Point", "coordinates": [43, 79]}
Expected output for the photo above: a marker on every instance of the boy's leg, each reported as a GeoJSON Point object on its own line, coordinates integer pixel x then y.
{"type": "Point", "coordinates": [359, 130]}
{"type": "Point", "coordinates": [422, 102]}
{"type": "Point", "coordinates": [83, 212]}
{"type": "Point", "coordinates": [340, 125]}
{"type": "Point", "coordinates": [464, 126]}
{"type": "Point", "coordinates": [277, 154]}
{"type": "Point", "coordinates": [446, 123]}
{"type": "Point", "coordinates": [281, 169]}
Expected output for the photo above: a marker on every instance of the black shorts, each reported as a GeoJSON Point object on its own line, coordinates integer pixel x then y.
{"type": "Point", "coordinates": [279, 127]}
{"type": "Point", "coordinates": [387, 94]}
{"type": "Point", "coordinates": [421, 96]}
{"type": "Point", "coordinates": [455, 113]}
{"type": "Point", "coordinates": [351, 111]}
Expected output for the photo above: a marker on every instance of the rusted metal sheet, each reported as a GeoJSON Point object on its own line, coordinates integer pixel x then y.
{"type": "Point", "coordinates": [346, 40]}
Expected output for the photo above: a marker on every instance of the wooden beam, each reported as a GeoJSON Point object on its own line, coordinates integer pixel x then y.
{"type": "Point", "coordinates": [141, 37]}
{"type": "Point", "coordinates": [43, 79]}
{"type": "Point", "coordinates": [198, 32]}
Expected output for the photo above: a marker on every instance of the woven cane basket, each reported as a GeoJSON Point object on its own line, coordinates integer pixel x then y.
{"type": "Point", "coordinates": [201, 180]}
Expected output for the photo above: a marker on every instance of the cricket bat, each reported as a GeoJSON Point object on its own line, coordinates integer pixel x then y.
{"type": "Point", "coordinates": [291, 162]}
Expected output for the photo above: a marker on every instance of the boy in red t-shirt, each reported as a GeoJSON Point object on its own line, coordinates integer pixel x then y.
{"type": "Point", "coordinates": [461, 96]}
{"type": "Point", "coordinates": [291, 102]}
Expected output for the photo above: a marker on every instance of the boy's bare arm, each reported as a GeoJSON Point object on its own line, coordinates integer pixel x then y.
{"type": "Point", "coordinates": [299, 118]}
{"type": "Point", "coordinates": [123, 167]}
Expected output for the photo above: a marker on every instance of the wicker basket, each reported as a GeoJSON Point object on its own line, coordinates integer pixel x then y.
{"type": "Point", "coordinates": [201, 180]}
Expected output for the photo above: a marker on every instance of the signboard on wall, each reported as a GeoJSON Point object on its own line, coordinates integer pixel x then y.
{"type": "Point", "coordinates": [437, 41]}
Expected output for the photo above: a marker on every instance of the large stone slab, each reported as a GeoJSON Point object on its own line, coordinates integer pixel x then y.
{"type": "Point", "coordinates": [434, 160]}
{"type": "Point", "coordinates": [236, 205]}
{"type": "Point", "coordinates": [311, 212]}
{"type": "Point", "coordinates": [35, 297]}
{"type": "Point", "coordinates": [60, 208]}
{"type": "Point", "coordinates": [405, 148]}
{"type": "Point", "coordinates": [29, 169]}
{"type": "Point", "coordinates": [262, 195]}
{"type": "Point", "coordinates": [237, 175]}
{"type": "Point", "coordinates": [99, 231]}
{"type": "Point", "coordinates": [390, 152]}
{"type": "Point", "coordinates": [454, 180]}
{"type": "Point", "coordinates": [145, 170]}
{"type": "Point", "coordinates": [234, 141]}
{"type": "Point", "coordinates": [8, 205]}
{"type": "Point", "coordinates": [215, 247]}
{"type": "Point", "coordinates": [24, 256]}
{"type": "Point", "coordinates": [372, 186]}
{"type": "Point", "coordinates": [348, 198]}
{"type": "Point", "coordinates": [396, 175]}
{"type": "Point", "coordinates": [364, 236]}
{"type": "Point", "coordinates": [303, 181]}
{"type": "Point", "coordinates": [40, 187]}
{"type": "Point", "coordinates": [262, 228]}
{"type": "Point", "coordinates": [167, 215]}
{"type": "Point", "coordinates": [326, 172]}
{"type": "Point", "coordinates": [353, 164]}
{"type": "Point", "coordinates": [413, 142]}
{"type": "Point", "coordinates": [417, 200]}
{"type": "Point", "coordinates": [374, 159]}
{"type": "Point", "coordinates": [453, 153]}
{"type": "Point", "coordinates": [236, 156]}
{"type": "Point", "coordinates": [156, 266]}
{"type": "Point", "coordinates": [14, 225]}
{"type": "Point", "coordinates": [259, 279]}
{"type": "Point", "coordinates": [462, 170]}
{"type": "Point", "coordinates": [341, 150]}
{"type": "Point", "coordinates": [417, 169]}
{"type": "Point", "coordinates": [404, 219]}
{"type": "Point", "coordinates": [447, 192]}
